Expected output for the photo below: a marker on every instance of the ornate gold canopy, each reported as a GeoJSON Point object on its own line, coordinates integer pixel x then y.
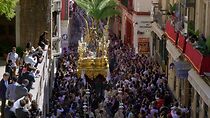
{"type": "Point", "coordinates": [93, 55]}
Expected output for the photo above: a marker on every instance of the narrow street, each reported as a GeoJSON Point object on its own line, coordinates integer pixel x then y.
{"type": "Point", "coordinates": [137, 87]}
{"type": "Point", "coordinates": [105, 58]}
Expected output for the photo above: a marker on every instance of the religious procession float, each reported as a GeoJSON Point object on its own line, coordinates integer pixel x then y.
{"type": "Point", "coordinates": [93, 46]}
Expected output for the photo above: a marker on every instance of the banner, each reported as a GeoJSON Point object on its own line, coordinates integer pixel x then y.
{"type": "Point", "coordinates": [143, 45]}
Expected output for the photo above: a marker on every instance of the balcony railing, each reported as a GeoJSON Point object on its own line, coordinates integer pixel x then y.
{"type": "Point", "coordinates": [181, 42]}
{"type": "Point", "coordinates": [200, 62]}
{"type": "Point", "coordinates": [170, 31]}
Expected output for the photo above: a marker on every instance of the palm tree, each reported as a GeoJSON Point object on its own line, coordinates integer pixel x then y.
{"type": "Point", "coordinates": [99, 9]}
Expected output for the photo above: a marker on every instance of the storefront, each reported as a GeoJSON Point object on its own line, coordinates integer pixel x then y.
{"type": "Point", "coordinates": [200, 100]}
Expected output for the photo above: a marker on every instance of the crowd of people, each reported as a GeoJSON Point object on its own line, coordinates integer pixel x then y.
{"type": "Point", "coordinates": [136, 88]}
{"type": "Point", "coordinates": [20, 74]}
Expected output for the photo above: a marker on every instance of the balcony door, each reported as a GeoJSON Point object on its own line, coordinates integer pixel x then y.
{"type": "Point", "coordinates": [129, 33]}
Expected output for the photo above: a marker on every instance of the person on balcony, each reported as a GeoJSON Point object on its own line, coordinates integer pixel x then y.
{"type": "Point", "coordinates": [43, 41]}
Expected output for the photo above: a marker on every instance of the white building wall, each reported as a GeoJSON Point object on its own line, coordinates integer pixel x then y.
{"type": "Point", "coordinates": [64, 33]}
{"type": "Point", "coordinates": [142, 24]}
{"type": "Point", "coordinates": [142, 5]}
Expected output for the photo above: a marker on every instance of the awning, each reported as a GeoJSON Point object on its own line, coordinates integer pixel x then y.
{"type": "Point", "coordinates": [174, 52]}
{"type": "Point", "coordinates": [157, 30]}
{"type": "Point", "coordinates": [200, 86]}
{"type": "Point", "coordinates": [182, 68]}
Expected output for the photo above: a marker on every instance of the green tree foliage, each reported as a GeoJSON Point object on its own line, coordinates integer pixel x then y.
{"type": "Point", "coordinates": [208, 43]}
{"type": "Point", "coordinates": [7, 8]}
{"type": "Point", "coordinates": [99, 9]}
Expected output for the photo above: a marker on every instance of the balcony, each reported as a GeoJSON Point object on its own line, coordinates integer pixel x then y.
{"type": "Point", "coordinates": [170, 31]}
{"type": "Point", "coordinates": [181, 42]}
{"type": "Point", "coordinates": [199, 61]}
{"type": "Point", "coordinates": [197, 58]}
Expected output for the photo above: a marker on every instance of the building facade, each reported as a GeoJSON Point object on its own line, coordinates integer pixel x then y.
{"type": "Point", "coordinates": [133, 26]}
{"type": "Point", "coordinates": [186, 31]}
{"type": "Point", "coordinates": [35, 17]}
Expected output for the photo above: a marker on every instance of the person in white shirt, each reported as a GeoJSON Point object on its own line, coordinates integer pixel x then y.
{"type": "Point", "coordinates": [29, 58]}
{"type": "Point", "coordinates": [13, 56]}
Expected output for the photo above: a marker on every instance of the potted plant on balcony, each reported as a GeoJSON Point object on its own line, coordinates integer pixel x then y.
{"type": "Point", "coordinates": [172, 9]}
{"type": "Point", "coordinates": [193, 35]}
{"type": "Point", "coordinates": [208, 43]}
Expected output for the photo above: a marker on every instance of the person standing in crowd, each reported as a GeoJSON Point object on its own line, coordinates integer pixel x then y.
{"type": "Point", "coordinates": [28, 75]}
{"type": "Point", "coordinates": [22, 112]}
{"type": "Point", "coordinates": [9, 68]}
{"type": "Point", "coordinates": [13, 56]}
{"type": "Point", "coordinates": [35, 110]}
{"type": "Point", "coordinates": [8, 112]}
{"type": "Point", "coordinates": [3, 88]}
{"type": "Point", "coordinates": [21, 90]}
{"type": "Point", "coordinates": [10, 93]}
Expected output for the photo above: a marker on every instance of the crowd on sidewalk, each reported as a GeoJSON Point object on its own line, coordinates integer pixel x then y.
{"type": "Point", "coordinates": [20, 74]}
{"type": "Point", "coordinates": [137, 88]}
